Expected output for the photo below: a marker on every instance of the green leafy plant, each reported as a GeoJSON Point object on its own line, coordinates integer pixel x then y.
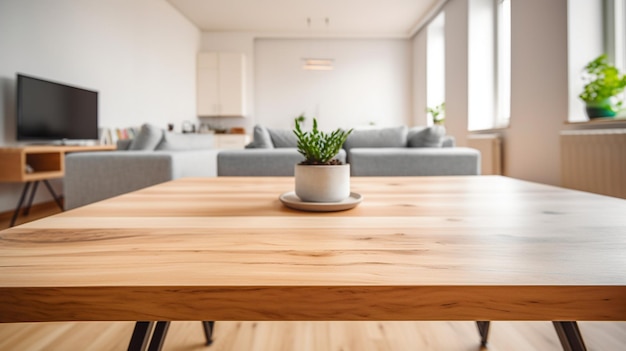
{"type": "Point", "coordinates": [603, 81]}
{"type": "Point", "coordinates": [438, 113]}
{"type": "Point", "coordinates": [320, 148]}
{"type": "Point", "coordinates": [301, 118]}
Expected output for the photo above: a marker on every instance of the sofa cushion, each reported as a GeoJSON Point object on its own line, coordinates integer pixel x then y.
{"type": "Point", "coordinates": [148, 138]}
{"type": "Point", "coordinates": [433, 136]}
{"type": "Point", "coordinates": [283, 138]}
{"type": "Point", "coordinates": [95, 176]}
{"type": "Point", "coordinates": [123, 144]}
{"type": "Point", "coordinates": [449, 141]}
{"type": "Point", "coordinates": [189, 141]}
{"type": "Point", "coordinates": [406, 161]}
{"type": "Point", "coordinates": [261, 163]}
{"type": "Point", "coordinates": [415, 135]}
{"type": "Point", "coordinates": [261, 139]}
{"type": "Point", "coordinates": [378, 137]}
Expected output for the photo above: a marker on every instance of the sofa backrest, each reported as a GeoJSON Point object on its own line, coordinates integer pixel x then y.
{"type": "Point", "coordinates": [151, 138]}
{"type": "Point", "coordinates": [269, 138]}
{"type": "Point", "coordinates": [123, 144]}
{"type": "Point", "coordinates": [261, 139]}
{"type": "Point", "coordinates": [186, 141]}
{"type": "Point", "coordinates": [377, 137]}
{"type": "Point", "coordinates": [433, 136]}
{"type": "Point", "coordinates": [386, 137]}
{"type": "Point", "coordinates": [148, 138]}
{"type": "Point", "coordinates": [283, 138]}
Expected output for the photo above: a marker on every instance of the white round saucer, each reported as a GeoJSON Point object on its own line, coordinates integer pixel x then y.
{"type": "Point", "coordinates": [290, 200]}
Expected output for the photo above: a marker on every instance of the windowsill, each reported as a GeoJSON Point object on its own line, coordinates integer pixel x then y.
{"type": "Point", "coordinates": [489, 130]}
{"type": "Point", "coordinates": [600, 121]}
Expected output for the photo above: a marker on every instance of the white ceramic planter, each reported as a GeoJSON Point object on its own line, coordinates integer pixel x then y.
{"type": "Point", "coordinates": [322, 183]}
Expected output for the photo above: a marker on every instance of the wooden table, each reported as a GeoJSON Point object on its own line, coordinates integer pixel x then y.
{"type": "Point", "coordinates": [426, 248]}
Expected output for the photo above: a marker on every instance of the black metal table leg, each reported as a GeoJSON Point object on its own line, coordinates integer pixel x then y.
{"type": "Point", "coordinates": [570, 336]}
{"type": "Point", "coordinates": [30, 199]}
{"type": "Point", "coordinates": [483, 329]}
{"type": "Point", "coordinates": [208, 331]}
{"type": "Point", "coordinates": [150, 336]}
{"type": "Point", "coordinates": [19, 204]}
{"type": "Point", "coordinates": [158, 337]}
{"type": "Point", "coordinates": [141, 336]}
{"type": "Point", "coordinates": [54, 195]}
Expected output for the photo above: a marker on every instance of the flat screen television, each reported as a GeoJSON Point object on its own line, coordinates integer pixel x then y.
{"type": "Point", "coordinates": [50, 111]}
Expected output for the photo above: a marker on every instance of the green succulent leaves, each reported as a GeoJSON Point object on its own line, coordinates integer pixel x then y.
{"type": "Point", "coordinates": [317, 147]}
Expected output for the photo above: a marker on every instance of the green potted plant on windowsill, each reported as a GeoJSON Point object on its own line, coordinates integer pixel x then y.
{"type": "Point", "coordinates": [604, 83]}
{"type": "Point", "coordinates": [321, 177]}
{"type": "Point", "coordinates": [438, 112]}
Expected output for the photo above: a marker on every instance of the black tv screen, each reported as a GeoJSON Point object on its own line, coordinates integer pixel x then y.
{"type": "Point", "coordinates": [52, 111]}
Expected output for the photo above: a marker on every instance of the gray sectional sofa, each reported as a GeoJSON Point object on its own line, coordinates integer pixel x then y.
{"type": "Point", "coordinates": [156, 156]}
{"type": "Point", "coordinates": [153, 157]}
{"type": "Point", "coordinates": [396, 151]}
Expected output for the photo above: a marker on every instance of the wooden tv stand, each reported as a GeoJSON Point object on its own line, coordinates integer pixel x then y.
{"type": "Point", "coordinates": [32, 164]}
{"type": "Point", "coordinates": [47, 162]}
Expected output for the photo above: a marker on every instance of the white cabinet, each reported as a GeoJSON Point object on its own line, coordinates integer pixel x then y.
{"type": "Point", "coordinates": [207, 87]}
{"type": "Point", "coordinates": [221, 84]}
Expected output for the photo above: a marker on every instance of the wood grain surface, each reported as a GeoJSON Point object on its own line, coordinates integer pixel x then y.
{"type": "Point", "coordinates": [423, 248]}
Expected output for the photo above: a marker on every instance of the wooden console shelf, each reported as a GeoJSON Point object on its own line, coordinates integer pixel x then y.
{"type": "Point", "coordinates": [34, 164]}
{"type": "Point", "coordinates": [46, 162]}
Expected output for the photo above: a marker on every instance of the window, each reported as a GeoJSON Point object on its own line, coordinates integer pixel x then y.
{"type": "Point", "coordinates": [503, 63]}
{"type": "Point", "coordinates": [615, 35]}
{"type": "Point", "coordinates": [618, 46]}
{"type": "Point", "coordinates": [489, 64]}
{"type": "Point", "coordinates": [586, 33]}
{"type": "Point", "coordinates": [435, 63]}
{"type": "Point", "coordinates": [615, 29]}
{"type": "Point", "coordinates": [594, 27]}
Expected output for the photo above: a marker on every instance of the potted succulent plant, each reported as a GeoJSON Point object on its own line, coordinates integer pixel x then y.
{"type": "Point", "coordinates": [603, 83]}
{"type": "Point", "coordinates": [321, 177]}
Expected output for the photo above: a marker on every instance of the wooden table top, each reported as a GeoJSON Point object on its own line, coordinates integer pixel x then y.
{"type": "Point", "coordinates": [416, 248]}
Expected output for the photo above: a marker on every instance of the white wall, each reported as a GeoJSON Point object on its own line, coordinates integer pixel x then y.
{"type": "Point", "coordinates": [284, 90]}
{"type": "Point", "coordinates": [539, 90]}
{"type": "Point", "coordinates": [139, 55]}
{"type": "Point", "coordinates": [370, 83]}
{"type": "Point", "coordinates": [457, 69]}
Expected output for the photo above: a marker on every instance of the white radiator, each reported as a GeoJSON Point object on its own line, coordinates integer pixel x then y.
{"type": "Point", "coordinates": [490, 147]}
{"type": "Point", "coordinates": [594, 161]}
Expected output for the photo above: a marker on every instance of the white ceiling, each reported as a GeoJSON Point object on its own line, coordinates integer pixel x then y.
{"type": "Point", "coordinates": [288, 18]}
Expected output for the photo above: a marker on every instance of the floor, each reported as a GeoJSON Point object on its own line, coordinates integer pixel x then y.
{"type": "Point", "coordinates": [302, 336]}
{"type": "Point", "coordinates": [311, 336]}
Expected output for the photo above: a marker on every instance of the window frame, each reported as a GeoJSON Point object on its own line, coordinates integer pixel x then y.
{"type": "Point", "coordinates": [435, 78]}
{"type": "Point", "coordinates": [503, 64]}
{"type": "Point", "coordinates": [615, 32]}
